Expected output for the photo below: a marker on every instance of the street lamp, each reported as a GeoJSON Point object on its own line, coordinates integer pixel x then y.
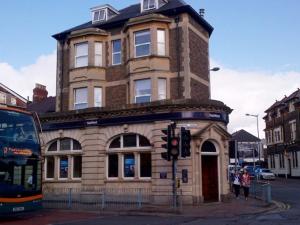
{"type": "Point", "coordinates": [258, 145]}
{"type": "Point", "coordinates": [215, 69]}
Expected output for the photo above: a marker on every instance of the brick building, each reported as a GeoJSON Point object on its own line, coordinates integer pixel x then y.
{"type": "Point", "coordinates": [121, 79]}
{"type": "Point", "coordinates": [10, 98]}
{"type": "Point", "coordinates": [283, 135]}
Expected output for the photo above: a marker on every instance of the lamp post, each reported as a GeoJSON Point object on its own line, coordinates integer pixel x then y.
{"type": "Point", "coordinates": [215, 69]}
{"type": "Point", "coordinates": [258, 144]}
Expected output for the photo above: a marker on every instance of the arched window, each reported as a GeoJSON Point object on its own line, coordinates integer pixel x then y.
{"type": "Point", "coordinates": [131, 152]}
{"type": "Point", "coordinates": [208, 147]}
{"type": "Point", "coordinates": [66, 154]}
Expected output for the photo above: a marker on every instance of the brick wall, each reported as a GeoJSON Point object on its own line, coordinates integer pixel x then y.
{"type": "Point", "coordinates": [199, 91]}
{"type": "Point", "coordinates": [174, 88]}
{"type": "Point", "coordinates": [116, 95]}
{"type": "Point", "coordinates": [199, 61]}
{"type": "Point", "coordinates": [173, 50]}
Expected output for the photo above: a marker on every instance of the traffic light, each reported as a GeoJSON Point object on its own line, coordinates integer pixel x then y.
{"type": "Point", "coordinates": [185, 142]}
{"type": "Point", "coordinates": [167, 138]}
{"type": "Point", "coordinates": [174, 147]}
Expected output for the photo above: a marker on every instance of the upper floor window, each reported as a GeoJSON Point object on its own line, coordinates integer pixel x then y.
{"type": "Point", "coordinates": [162, 88]}
{"type": "Point", "coordinates": [161, 42]}
{"type": "Point", "coordinates": [103, 13]}
{"type": "Point", "coordinates": [2, 98]}
{"type": "Point", "coordinates": [293, 130]}
{"type": "Point", "coordinates": [278, 113]}
{"type": "Point", "coordinates": [80, 98]}
{"type": "Point", "coordinates": [98, 97]}
{"type": "Point", "coordinates": [291, 106]}
{"type": "Point", "coordinates": [142, 43]}
{"type": "Point", "coordinates": [278, 135]}
{"type": "Point", "coordinates": [99, 15]}
{"type": "Point", "coordinates": [81, 54]}
{"type": "Point", "coordinates": [98, 54]}
{"type": "Point", "coordinates": [13, 101]}
{"type": "Point", "coordinates": [149, 4]}
{"type": "Point", "coordinates": [116, 52]}
{"type": "Point", "coordinates": [143, 91]}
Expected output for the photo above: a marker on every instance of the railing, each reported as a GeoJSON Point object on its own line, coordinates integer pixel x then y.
{"type": "Point", "coordinates": [261, 190]}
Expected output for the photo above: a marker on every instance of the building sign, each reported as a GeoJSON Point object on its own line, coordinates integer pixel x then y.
{"type": "Point", "coordinates": [9, 151]}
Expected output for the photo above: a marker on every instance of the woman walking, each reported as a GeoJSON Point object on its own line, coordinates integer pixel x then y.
{"type": "Point", "coordinates": [246, 184]}
{"type": "Point", "coordinates": [237, 184]}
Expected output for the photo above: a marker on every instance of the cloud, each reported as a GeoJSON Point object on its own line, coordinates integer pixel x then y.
{"type": "Point", "coordinates": [251, 92]}
{"type": "Point", "coordinates": [23, 80]}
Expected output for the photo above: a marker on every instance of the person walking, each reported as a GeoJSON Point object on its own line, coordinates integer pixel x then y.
{"type": "Point", "coordinates": [246, 184]}
{"type": "Point", "coordinates": [237, 184]}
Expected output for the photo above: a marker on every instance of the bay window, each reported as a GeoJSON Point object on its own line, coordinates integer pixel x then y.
{"type": "Point", "coordinates": [162, 88]}
{"type": "Point", "coordinates": [143, 91]}
{"type": "Point", "coordinates": [81, 54]}
{"type": "Point", "coordinates": [142, 43]}
{"type": "Point", "coordinates": [98, 54]}
{"type": "Point", "coordinates": [161, 42]}
{"type": "Point", "coordinates": [80, 98]}
{"type": "Point", "coordinates": [98, 97]}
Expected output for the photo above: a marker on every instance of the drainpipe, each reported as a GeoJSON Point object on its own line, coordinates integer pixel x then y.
{"type": "Point", "coordinates": [62, 43]}
{"type": "Point", "coordinates": [178, 55]}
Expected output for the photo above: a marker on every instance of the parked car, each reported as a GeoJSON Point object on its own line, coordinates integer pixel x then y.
{"type": "Point", "coordinates": [265, 174]}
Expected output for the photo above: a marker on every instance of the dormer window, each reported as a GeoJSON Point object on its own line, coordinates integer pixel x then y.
{"type": "Point", "coordinates": [103, 13]}
{"type": "Point", "coordinates": [152, 4]}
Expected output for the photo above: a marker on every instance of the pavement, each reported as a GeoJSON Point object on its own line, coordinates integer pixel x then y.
{"type": "Point", "coordinates": [232, 208]}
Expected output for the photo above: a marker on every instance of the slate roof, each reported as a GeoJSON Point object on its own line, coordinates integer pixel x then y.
{"type": "Point", "coordinates": [244, 136]}
{"type": "Point", "coordinates": [173, 7]}
{"type": "Point", "coordinates": [45, 106]}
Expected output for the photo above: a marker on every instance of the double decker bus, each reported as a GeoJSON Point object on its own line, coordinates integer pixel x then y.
{"type": "Point", "coordinates": [20, 162]}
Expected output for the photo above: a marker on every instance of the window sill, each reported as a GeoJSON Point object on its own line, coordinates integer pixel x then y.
{"type": "Point", "coordinates": [127, 180]}
{"type": "Point", "coordinates": [147, 57]}
{"type": "Point", "coordinates": [62, 181]}
{"type": "Point", "coordinates": [86, 68]}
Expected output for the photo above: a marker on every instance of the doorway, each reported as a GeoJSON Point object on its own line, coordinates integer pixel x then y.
{"type": "Point", "coordinates": [210, 179]}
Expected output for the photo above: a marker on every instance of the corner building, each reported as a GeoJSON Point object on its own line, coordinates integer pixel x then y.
{"type": "Point", "coordinates": [121, 79]}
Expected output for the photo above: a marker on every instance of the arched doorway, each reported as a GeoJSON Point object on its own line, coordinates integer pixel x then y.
{"type": "Point", "coordinates": [210, 175]}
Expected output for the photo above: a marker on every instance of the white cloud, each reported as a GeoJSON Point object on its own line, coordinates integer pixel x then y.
{"type": "Point", "coordinates": [251, 92]}
{"type": "Point", "coordinates": [23, 80]}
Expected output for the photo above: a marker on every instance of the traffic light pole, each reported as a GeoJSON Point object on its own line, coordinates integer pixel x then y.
{"type": "Point", "coordinates": [174, 169]}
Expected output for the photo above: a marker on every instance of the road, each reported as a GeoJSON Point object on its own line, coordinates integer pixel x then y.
{"type": "Point", "coordinates": [286, 191]}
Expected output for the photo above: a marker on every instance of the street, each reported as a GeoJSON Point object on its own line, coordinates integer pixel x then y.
{"type": "Point", "coordinates": [283, 191]}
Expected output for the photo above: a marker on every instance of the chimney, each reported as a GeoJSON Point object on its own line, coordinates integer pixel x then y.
{"type": "Point", "coordinates": [202, 12]}
{"type": "Point", "coordinates": [39, 93]}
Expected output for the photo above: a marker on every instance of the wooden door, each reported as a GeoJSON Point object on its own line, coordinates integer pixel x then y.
{"type": "Point", "coordinates": [210, 187]}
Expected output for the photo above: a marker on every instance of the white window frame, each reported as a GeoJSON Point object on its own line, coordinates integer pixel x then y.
{"type": "Point", "coordinates": [146, 43]}
{"type": "Point", "coordinates": [98, 19]}
{"type": "Point", "coordinates": [72, 165]}
{"type": "Point", "coordinates": [2, 98]}
{"type": "Point", "coordinates": [160, 94]}
{"type": "Point", "coordinates": [123, 164]}
{"type": "Point", "coordinates": [58, 167]}
{"type": "Point", "coordinates": [116, 53]}
{"type": "Point", "coordinates": [45, 167]}
{"type": "Point", "coordinates": [107, 166]}
{"type": "Point", "coordinates": [293, 129]}
{"type": "Point", "coordinates": [161, 46]}
{"type": "Point", "coordinates": [78, 103]}
{"type": "Point", "coordinates": [96, 103]}
{"type": "Point", "coordinates": [139, 166]}
{"type": "Point", "coordinates": [13, 101]}
{"type": "Point", "coordinates": [81, 56]}
{"type": "Point", "coordinates": [98, 54]}
{"type": "Point", "coordinates": [148, 5]}
{"type": "Point", "coordinates": [291, 106]}
{"type": "Point", "coordinates": [137, 96]}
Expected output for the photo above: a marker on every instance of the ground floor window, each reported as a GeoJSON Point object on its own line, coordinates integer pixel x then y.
{"type": "Point", "coordinates": [295, 159]}
{"type": "Point", "coordinates": [281, 160]}
{"type": "Point", "coordinates": [129, 164]}
{"type": "Point", "coordinates": [113, 165]}
{"type": "Point", "coordinates": [272, 161]}
{"type": "Point", "coordinates": [145, 165]}
{"type": "Point", "coordinates": [77, 167]}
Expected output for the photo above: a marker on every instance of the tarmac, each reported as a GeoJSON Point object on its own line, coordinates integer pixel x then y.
{"type": "Point", "coordinates": [233, 208]}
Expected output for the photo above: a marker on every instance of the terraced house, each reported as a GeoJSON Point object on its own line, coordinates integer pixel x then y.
{"type": "Point", "coordinates": [122, 78]}
{"type": "Point", "coordinates": [282, 135]}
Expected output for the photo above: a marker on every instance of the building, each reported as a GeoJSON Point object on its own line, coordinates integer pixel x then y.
{"type": "Point", "coordinates": [283, 135]}
{"type": "Point", "coordinates": [10, 98]}
{"type": "Point", "coordinates": [249, 148]}
{"type": "Point", "coordinates": [121, 79]}
{"type": "Point", "coordinates": [41, 103]}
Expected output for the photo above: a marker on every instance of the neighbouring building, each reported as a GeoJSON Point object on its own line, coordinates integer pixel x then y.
{"type": "Point", "coordinates": [283, 135]}
{"type": "Point", "coordinates": [246, 149]}
{"type": "Point", "coordinates": [10, 98]}
{"type": "Point", "coordinates": [121, 79]}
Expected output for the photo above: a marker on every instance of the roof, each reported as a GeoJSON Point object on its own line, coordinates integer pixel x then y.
{"type": "Point", "coordinates": [13, 93]}
{"type": "Point", "coordinates": [173, 7]}
{"type": "Point", "coordinates": [45, 106]}
{"type": "Point", "coordinates": [286, 99]}
{"type": "Point", "coordinates": [244, 136]}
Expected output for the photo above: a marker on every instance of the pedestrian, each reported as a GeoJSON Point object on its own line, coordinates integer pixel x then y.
{"type": "Point", "coordinates": [246, 184]}
{"type": "Point", "coordinates": [236, 184]}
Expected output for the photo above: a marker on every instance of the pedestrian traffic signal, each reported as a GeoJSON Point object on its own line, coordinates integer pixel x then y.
{"type": "Point", "coordinates": [185, 142]}
{"type": "Point", "coordinates": [167, 138]}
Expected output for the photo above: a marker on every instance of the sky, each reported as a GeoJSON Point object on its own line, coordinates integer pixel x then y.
{"type": "Point", "coordinates": [255, 43]}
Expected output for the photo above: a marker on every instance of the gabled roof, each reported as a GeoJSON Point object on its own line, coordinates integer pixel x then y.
{"type": "Point", "coordinates": [173, 7]}
{"type": "Point", "coordinates": [244, 136]}
{"type": "Point", "coordinates": [13, 93]}
{"type": "Point", "coordinates": [45, 106]}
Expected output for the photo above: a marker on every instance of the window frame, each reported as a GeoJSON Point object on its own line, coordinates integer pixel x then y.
{"type": "Point", "coordinates": [148, 5]}
{"type": "Point", "coordinates": [139, 166]}
{"type": "Point", "coordinates": [99, 54]}
{"type": "Point", "coordinates": [116, 53]}
{"type": "Point", "coordinates": [72, 165]}
{"type": "Point", "coordinates": [107, 166]}
{"type": "Point", "coordinates": [161, 44]}
{"type": "Point", "coordinates": [98, 18]}
{"type": "Point", "coordinates": [81, 56]}
{"type": "Point", "coordinates": [135, 90]}
{"type": "Point", "coordinates": [138, 45]}
{"type": "Point", "coordinates": [101, 96]}
{"type": "Point", "coordinates": [46, 168]}
{"type": "Point", "coordinates": [158, 88]}
{"type": "Point", "coordinates": [3, 97]}
{"type": "Point", "coordinates": [78, 103]}
{"type": "Point", "coordinates": [58, 167]}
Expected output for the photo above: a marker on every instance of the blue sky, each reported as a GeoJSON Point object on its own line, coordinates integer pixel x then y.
{"type": "Point", "coordinates": [255, 42]}
{"type": "Point", "coordinates": [256, 34]}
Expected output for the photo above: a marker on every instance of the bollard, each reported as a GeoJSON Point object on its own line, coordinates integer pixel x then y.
{"type": "Point", "coordinates": [269, 195]}
{"type": "Point", "coordinates": [70, 198]}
